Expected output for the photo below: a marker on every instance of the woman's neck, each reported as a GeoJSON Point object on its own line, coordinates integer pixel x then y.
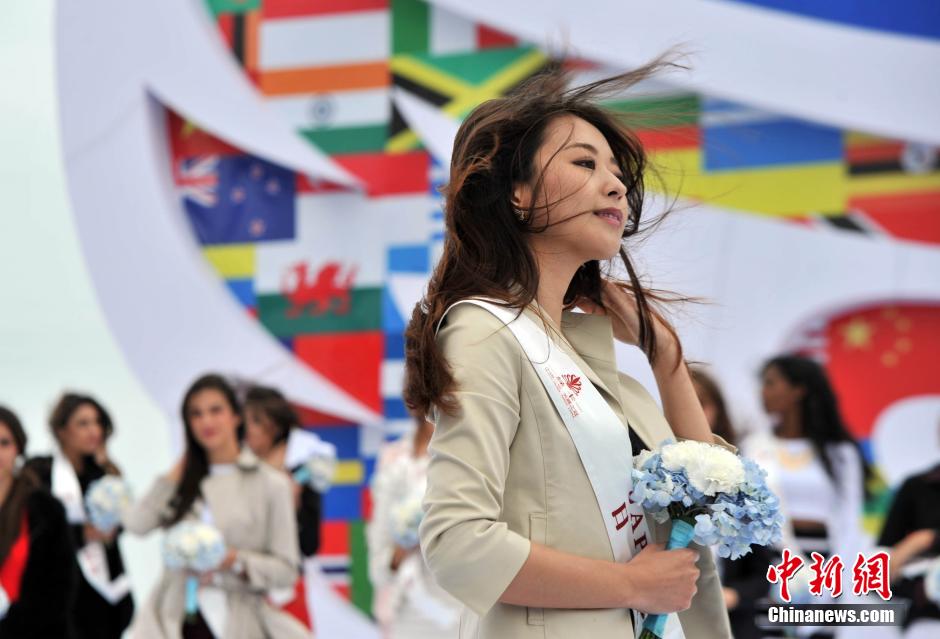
{"type": "Point", "coordinates": [75, 458]}
{"type": "Point", "coordinates": [224, 454]}
{"type": "Point", "coordinates": [555, 274]}
{"type": "Point", "coordinates": [790, 426]}
{"type": "Point", "coordinates": [276, 454]}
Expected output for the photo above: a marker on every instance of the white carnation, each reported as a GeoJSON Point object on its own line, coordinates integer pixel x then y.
{"type": "Point", "coordinates": [710, 469]}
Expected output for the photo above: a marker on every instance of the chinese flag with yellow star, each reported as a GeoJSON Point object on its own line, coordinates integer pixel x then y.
{"type": "Point", "coordinates": [879, 355]}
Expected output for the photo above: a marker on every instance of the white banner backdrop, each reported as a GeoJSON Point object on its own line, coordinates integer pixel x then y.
{"type": "Point", "coordinates": [864, 79]}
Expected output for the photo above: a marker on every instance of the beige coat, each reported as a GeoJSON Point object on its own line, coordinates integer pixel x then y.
{"type": "Point", "coordinates": [505, 472]}
{"type": "Point", "coordinates": [253, 509]}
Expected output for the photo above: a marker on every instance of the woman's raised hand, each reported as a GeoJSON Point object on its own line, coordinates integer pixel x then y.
{"type": "Point", "coordinates": [661, 581]}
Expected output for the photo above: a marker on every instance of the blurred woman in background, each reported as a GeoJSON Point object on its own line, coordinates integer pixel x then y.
{"type": "Point", "coordinates": [813, 463]}
{"type": "Point", "coordinates": [221, 484]}
{"type": "Point", "coordinates": [270, 419]}
{"type": "Point", "coordinates": [744, 580]}
{"type": "Point", "coordinates": [408, 604]}
{"type": "Point", "coordinates": [38, 575]}
{"type": "Point", "coordinates": [80, 426]}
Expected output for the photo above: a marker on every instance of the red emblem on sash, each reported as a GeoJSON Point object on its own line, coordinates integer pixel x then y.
{"type": "Point", "coordinates": [573, 382]}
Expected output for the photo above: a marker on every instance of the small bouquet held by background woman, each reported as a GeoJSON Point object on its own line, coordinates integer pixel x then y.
{"type": "Point", "coordinates": [313, 460]}
{"type": "Point", "coordinates": [712, 496]}
{"type": "Point", "coordinates": [196, 547]}
{"type": "Point", "coordinates": [406, 516]}
{"type": "Point", "coordinates": [106, 502]}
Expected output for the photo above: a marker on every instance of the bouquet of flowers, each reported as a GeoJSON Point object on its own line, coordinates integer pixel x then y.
{"type": "Point", "coordinates": [318, 469]}
{"type": "Point", "coordinates": [197, 548]}
{"type": "Point", "coordinates": [712, 496]}
{"type": "Point", "coordinates": [406, 517]}
{"type": "Point", "coordinates": [106, 501]}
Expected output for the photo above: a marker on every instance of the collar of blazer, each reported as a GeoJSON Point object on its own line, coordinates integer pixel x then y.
{"type": "Point", "coordinates": [592, 337]}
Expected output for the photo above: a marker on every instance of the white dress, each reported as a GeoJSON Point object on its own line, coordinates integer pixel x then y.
{"type": "Point", "coordinates": [408, 603]}
{"type": "Point", "coordinates": [806, 492]}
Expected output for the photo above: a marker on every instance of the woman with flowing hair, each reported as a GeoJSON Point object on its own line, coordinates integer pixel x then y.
{"type": "Point", "coordinates": [814, 465]}
{"type": "Point", "coordinates": [80, 427]}
{"type": "Point", "coordinates": [528, 521]}
{"type": "Point", "coordinates": [38, 575]}
{"type": "Point", "coordinates": [226, 486]}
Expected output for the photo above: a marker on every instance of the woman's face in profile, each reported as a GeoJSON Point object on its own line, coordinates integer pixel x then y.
{"type": "Point", "coordinates": [583, 197]}
{"type": "Point", "coordinates": [83, 433]}
{"type": "Point", "coordinates": [260, 431]}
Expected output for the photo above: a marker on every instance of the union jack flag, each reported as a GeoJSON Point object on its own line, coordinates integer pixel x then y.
{"type": "Point", "coordinates": [198, 179]}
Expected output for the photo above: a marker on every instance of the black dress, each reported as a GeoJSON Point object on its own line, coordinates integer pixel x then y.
{"type": "Point", "coordinates": [748, 577]}
{"type": "Point", "coordinates": [50, 578]}
{"type": "Point", "coordinates": [93, 616]}
{"type": "Point", "coordinates": [309, 515]}
{"type": "Point", "coordinates": [916, 506]}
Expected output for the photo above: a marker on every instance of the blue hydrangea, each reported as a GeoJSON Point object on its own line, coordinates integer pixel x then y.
{"type": "Point", "coordinates": [732, 521]}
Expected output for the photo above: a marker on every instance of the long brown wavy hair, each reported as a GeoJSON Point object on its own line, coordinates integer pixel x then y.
{"type": "Point", "coordinates": [24, 483]}
{"type": "Point", "coordinates": [486, 250]}
{"type": "Point", "coordinates": [273, 405]}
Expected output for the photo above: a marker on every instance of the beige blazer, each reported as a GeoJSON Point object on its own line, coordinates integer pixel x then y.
{"type": "Point", "coordinates": [505, 472]}
{"type": "Point", "coordinates": [253, 509]}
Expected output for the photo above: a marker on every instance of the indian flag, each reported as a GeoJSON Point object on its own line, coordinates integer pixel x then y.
{"type": "Point", "coordinates": [312, 48]}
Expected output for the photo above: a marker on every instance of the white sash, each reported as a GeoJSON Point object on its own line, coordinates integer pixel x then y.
{"type": "Point", "coordinates": [92, 557]}
{"type": "Point", "coordinates": [4, 603]}
{"type": "Point", "coordinates": [602, 441]}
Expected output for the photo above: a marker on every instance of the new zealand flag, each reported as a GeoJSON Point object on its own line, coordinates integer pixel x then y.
{"type": "Point", "coordinates": [235, 199]}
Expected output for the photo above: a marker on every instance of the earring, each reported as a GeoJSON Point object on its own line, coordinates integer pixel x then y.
{"type": "Point", "coordinates": [521, 214]}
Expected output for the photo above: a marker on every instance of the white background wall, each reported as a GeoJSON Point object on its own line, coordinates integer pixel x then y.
{"type": "Point", "coordinates": [53, 335]}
